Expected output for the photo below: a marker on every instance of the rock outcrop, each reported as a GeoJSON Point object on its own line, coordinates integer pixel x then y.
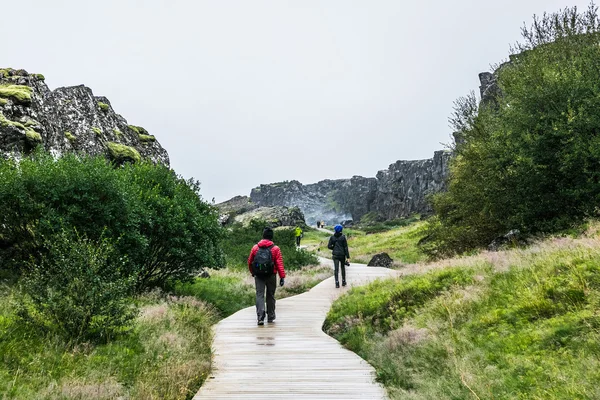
{"type": "Point", "coordinates": [68, 119]}
{"type": "Point", "coordinates": [399, 191]}
{"type": "Point", "coordinates": [381, 260]}
{"type": "Point", "coordinates": [273, 216]}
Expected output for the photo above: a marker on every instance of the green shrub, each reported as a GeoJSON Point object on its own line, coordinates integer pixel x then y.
{"type": "Point", "coordinates": [528, 157]}
{"type": "Point", "coordinates": [162, 225]}
{"type": "Point", "coordinates": [78, 289]}
{"type": "Point", "coordinates": [103, 106]}
{"type": "Point", "coordinates": [239, 241]}
{"type": "Point", "coordinates": [97, 131]}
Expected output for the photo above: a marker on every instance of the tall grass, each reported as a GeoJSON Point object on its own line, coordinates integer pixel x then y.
{"type": "Point", "coordinates": [167, 356]}
{"type": "Point", "coordinates": [517, 324]}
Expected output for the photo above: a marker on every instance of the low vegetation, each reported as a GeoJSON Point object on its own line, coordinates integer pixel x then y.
{"type": "Point", "coordinates": [400, 241]}
{"type": "Point", "coordinates": [81, 243]}
{"type": "Point", "coordinates": [164, 355]}
{"type": "Point", "coordinates": [103, 106]}
{"type": "Point", "coordinates": [514, 324]}
{"type": "Point", "coordinates": [239, 240]}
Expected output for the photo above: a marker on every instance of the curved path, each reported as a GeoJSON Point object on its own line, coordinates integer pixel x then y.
{"type": "Point", "coordinates": [291, 358]}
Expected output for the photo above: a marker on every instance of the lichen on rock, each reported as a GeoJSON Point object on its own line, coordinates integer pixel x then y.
{"type": "Point", "coordinates": [120, 153]}
{"type": "Point", "coordinates": [33, 114]}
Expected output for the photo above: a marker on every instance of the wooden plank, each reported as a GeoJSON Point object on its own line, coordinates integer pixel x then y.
{"type": "Point", "coordinates": [291, 358]}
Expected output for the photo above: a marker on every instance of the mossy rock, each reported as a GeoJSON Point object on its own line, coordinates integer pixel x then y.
{"type": "Point", "coordinates": [103, 106]}
{"type": "Point", "coordinates": [117, 132]}
{"type": "Point", "coordinates": [138, 129]}
{"type": "Point", "coordinates": [39, 77]}
{"type": "Point", "coordinates": [33, 137]}
{"type": "Point", "coordinates": [97, 131]}
{"type": "Point", "coordinates": [70, 136]}
{"type": "Point", "coordinates": [120, 153]}
{"type": "Point", "coordinates": [3, 102]}
{"type": "Point", "coordinates": [147, 138]}
{"type": "Point", "coordinates": [18, 93]}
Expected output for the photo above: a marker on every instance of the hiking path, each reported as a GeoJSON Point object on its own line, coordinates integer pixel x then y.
{"type": "Point", "coordinates": [291, 358]}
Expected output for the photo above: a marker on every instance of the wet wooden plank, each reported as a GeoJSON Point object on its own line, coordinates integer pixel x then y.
{"type": "Point", "coordinates": [291, 358]}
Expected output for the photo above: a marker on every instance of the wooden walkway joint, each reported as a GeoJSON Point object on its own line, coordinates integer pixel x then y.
{"type": "Point", "coordinates": [291, 358]}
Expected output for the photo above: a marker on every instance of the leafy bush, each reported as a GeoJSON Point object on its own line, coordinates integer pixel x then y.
{"type": "Point", "coordinates": [155, 218]}
{"type": "Point", "coordinates": [78, 289]}
{"type": "Point", "coordinates": [528, 158]}
{"type": "Point", "coordinates": [239, 241]}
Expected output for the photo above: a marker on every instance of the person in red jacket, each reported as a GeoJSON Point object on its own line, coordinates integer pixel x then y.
{"type": "Point", "coordinates": [265, 263]}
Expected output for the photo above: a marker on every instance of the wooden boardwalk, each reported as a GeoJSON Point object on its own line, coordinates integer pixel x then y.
{"type": "Point", "coordinates": [291, 358]}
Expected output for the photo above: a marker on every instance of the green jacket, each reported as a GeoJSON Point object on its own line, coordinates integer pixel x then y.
{"type": "Point", "coordinates": [298, 231]}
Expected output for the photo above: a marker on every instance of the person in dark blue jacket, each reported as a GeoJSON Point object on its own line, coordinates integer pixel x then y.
{"type": "Point", "coordinates": [339, 250]}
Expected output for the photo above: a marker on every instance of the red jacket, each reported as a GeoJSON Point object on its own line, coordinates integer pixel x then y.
{"type": "Point", "coordinates": [275, 252]}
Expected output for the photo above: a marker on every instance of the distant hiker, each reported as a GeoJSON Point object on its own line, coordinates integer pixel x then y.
{"type": "Point", "coordinates": [299, 235]}
{"type": "Point", "coordinates": [264, 263]}
{"type": "Point", "coordinates": [318, 224]}
{"type": "Point", "coordinates": [339, 250]}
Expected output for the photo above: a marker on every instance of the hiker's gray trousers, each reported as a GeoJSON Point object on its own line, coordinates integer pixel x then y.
{"type": "Point", "coordinates": [337, 263]}
{"type": "Point", "coordinates": [262, 283]}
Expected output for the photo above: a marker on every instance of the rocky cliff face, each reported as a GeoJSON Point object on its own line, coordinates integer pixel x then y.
{"type": "Point", "coordinates": [399, 191]}
{"type": "Point", "coordinates": [69, 119]}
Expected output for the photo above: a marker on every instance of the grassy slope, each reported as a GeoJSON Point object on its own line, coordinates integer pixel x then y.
{"type": "Point", "coordinates": [400, 243]}
{"type": "Point", "coordinates": [166, 357]}
{"type": "Point", "coordinates": [513, 324]}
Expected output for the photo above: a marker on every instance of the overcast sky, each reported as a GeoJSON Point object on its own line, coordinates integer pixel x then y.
{"type": "Point", "coordinates": [253, 91]}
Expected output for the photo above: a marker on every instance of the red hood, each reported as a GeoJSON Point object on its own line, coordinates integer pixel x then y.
{"type": "Point", "coordinates": [265, 243]}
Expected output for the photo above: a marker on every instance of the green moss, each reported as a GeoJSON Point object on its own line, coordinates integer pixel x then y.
{"type": "Point", "coordinates": [117, 132]}
{"type": "Point", "coordinates": [103, 106]}
{"type": "Point", "coordinates": [18, 93]}
{"type": "Point", "coordinates": [138, 129]}
{"type": "Point", "coordinates": [4, 72]}
{"type": "Point", "coordinates": [147, 138]}
{"type": "Point", "coordinates": [31, 122]}
{"type": "Point", "coordinates": [121, 153]}
{"type": "Point", "coordinates": [3, 102]}
{"type": "Point", "coordinates": [33, 136]}
{"type": "Point", "coordinates": [70, 136]}
{"type": "Point", "coordinates": [97, 131]}
{"type": "Point", "coordinates": [39, 77]}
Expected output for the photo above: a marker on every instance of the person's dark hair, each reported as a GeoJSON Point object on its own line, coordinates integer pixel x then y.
{"type": "Point", "coordinates": [268, 234]}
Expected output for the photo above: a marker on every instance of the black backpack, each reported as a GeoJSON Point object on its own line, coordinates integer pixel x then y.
{"type": "Point", "coordinates": [263, 261]}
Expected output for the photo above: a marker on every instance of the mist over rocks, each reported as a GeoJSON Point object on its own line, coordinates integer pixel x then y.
{"type": "Point", "coordinates": [68, 119]}
{"type": "Point", "coordinates": [399, 191]}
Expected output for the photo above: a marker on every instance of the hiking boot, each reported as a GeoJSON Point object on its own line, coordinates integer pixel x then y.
{"type": "Point", "coordinates": [343, 283]}
{"type": "Point", "coordinates": [271, 319]}
{"type": "Point", "coordinates": [337, 285]}
{"type": "Point", "coordinates": [261, 322]}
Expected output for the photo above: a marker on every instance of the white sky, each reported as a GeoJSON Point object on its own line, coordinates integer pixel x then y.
{"type": "Point", "coordinates": [245, 92]}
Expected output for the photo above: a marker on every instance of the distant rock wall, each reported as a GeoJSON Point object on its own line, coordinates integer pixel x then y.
{"type": "Point", "coordinates": [399, 191]}
{"type": "Point", "coordinates": [68, 119]}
